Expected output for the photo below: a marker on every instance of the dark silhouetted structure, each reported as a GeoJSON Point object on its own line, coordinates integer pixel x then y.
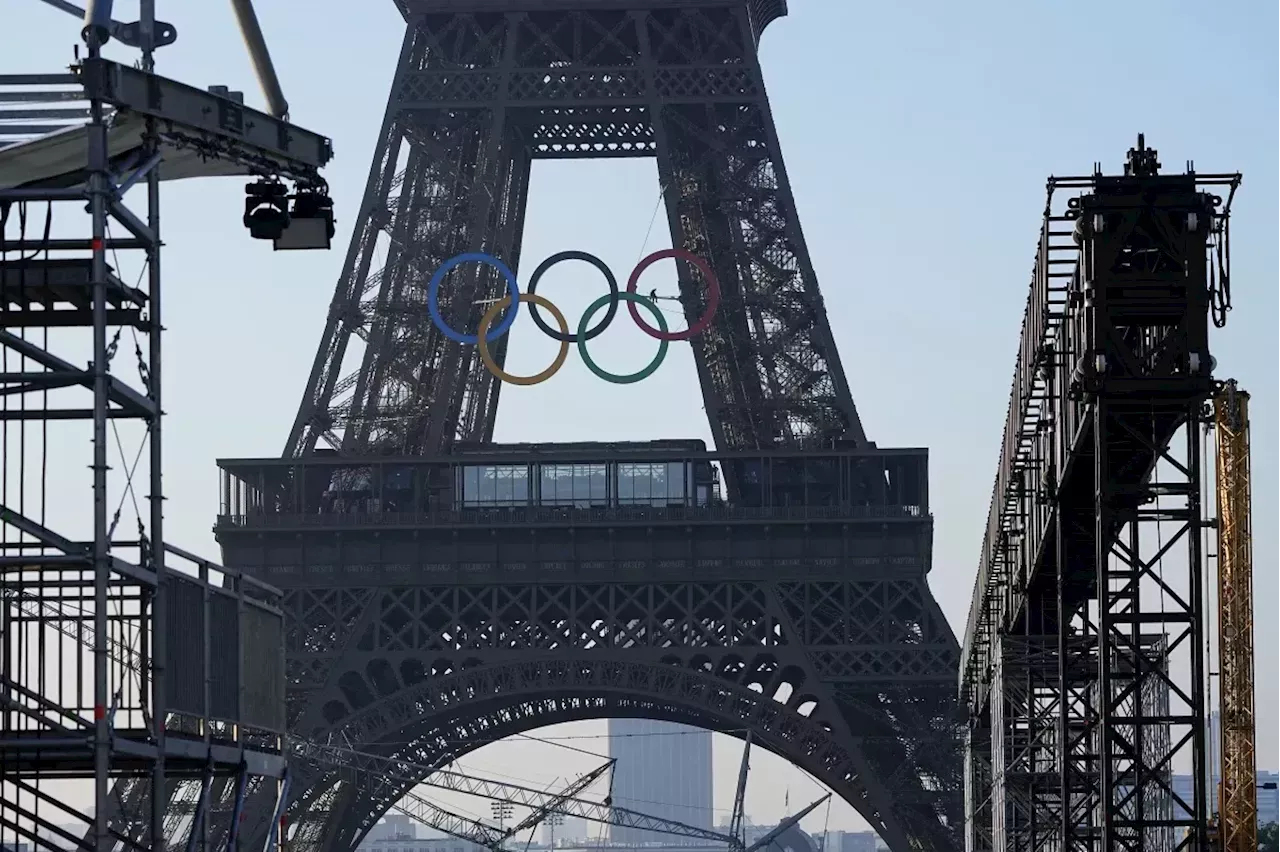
{"type": "Point", "coordinates": [1084, 660]}
{"type": "Point", "coordinates": [446, 591]}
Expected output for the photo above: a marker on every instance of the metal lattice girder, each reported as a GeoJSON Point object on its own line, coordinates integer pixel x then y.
{"type": "Point", "coordinates": [1094, 489]}
{"type": "Point", "coordinates": [473, 830]}
{"type": "Point", "coordinates": [455, 825]}
{"type": "Point", "coordinates": [371, 769]}
{"type": "Point", "coordinates": [538, 814]}
{"type": "Point", "coordinates": [978, 787]}
{"type": "Point", "coordinates": [1239, 804]}
{"type": "Point", "coordinates": [476, 97]}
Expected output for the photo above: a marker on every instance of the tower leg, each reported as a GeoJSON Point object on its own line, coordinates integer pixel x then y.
{"type": "Point", "coordinates": [769, 369]}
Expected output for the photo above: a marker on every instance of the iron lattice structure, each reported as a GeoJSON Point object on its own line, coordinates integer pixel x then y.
{"type": "Point", "coordinates": [1084, 660]}
{"type": "Point", "coordinates": [476, 97]}
{"type": "Point", "coordinates": [1238, 804]}
{"type": "Point", "coordinates": [442, 596]}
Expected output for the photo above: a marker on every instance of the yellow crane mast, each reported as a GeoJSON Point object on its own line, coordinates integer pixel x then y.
{"type": "Point", "coordinates": [1238, 802]}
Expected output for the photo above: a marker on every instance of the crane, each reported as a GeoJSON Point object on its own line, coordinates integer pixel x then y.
{"type": "Point", "coordinates": [1237, 801]}
{"type": "Point", "coordinates": [377, 768]}
{"type": "Point", "coordinates": [433, 816]}
{"type": "Point", "coordinates": [737, 823]}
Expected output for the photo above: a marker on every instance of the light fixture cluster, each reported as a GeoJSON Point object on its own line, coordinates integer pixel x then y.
{"type": "Point", "coordinates": [268, 215]}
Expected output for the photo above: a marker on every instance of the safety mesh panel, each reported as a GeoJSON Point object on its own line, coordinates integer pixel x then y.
{"type": "Point", "coordinates": [264, 680]}
{"type": "Point", "coordinates": [185, 631]}
{"type": "Point", "coordinates": [224, 657]}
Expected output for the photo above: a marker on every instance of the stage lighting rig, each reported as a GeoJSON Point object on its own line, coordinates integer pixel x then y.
{"type": "Point", "coordinates": [266, 209]}
{"type": "Point", "coordinates": [310, 221]}
{"type": "Point", "coordinates": [308, 225]}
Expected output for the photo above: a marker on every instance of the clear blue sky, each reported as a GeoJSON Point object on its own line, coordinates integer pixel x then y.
{"type": "Point", "coordinates": [918, 137]}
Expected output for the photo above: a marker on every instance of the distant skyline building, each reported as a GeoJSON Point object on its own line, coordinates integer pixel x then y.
{"type": "Point", "coordinates": [561, 830]}
{"type": "Point", "coordinates": [1268, 802]}
{"type": "Point", "coordinates": [846, 841]}
{"type": "Point", "coordinates": [1268, 796]}
{"type": "Point", "coordinates": [663, 769]}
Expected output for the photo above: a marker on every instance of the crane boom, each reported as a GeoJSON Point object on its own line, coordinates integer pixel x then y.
{"type": "Point", "coordinates": [433, 816]}
{"type": "Point", "coordinates": [481, 833]}
{"type": "Point", "coordinates": [379, 767]}
{"type": "Point", "coordinates": [541, 812]}
{"type": "Point", "coordinates": [1238, 803]}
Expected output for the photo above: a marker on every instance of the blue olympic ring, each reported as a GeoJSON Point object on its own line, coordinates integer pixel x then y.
{"type": "Point", "coordinates": [433, 298]}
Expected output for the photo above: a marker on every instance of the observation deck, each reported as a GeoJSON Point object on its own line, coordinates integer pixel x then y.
{"type": "Point", "coordinates": [578, 512]}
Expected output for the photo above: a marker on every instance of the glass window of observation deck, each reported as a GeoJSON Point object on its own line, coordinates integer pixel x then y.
{"type": "Point", "coordinates": [580, 485]}
{"type": "Point", "coordinates": [495, 485]}
{"type": "Point", "coordinates": [653, 484]}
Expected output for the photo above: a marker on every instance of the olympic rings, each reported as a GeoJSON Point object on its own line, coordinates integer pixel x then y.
{"type": "Point", "coordinates": [614, 378]}
{"type": "Point", "coordinates": [713, 294]}
{"type": "Point", "coordinates": [612, 297]}
{"type": "Point", "coordinates": [483, 337]}
{"type": "Point", "coordinates": [433, 296]}
{"type": "Point", "coordinates": [487, 332]}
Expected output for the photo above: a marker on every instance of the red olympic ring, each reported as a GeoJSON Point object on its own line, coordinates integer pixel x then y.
{"type": "Point", "coordinates": [713, 294]}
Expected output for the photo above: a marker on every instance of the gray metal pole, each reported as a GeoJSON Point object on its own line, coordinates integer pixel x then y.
{"type": "Point", "coordinates": [260, 57]}
{"type": "Point", "coordinates": [99, 193]}
{"type": "Point", "coordinates": [159, 634]}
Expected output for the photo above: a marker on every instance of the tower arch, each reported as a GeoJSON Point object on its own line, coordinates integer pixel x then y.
{"type": "Point", "coordinates": [446, 718]}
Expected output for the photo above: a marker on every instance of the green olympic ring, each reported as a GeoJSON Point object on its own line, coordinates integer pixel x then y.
{"type": "Point", "coordinates": [615, 378]}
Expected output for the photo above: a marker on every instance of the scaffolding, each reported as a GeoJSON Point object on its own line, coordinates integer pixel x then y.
{"type": "Point", "coordinates": [1084, 660]}
{"type": "Point", "coordinates": [134, 676]}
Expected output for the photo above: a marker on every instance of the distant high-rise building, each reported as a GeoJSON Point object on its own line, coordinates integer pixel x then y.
{"type": "Point", "coordinates": [394, 827]}
{"type": "Point", "coordinates": [1268, 798]}
{"type": "Point", "coordinates": [846, 841]}
{"type": "Point", "coordinates": [560, 830]}
{"type": "Point", "coordinates": [663, 769]}
{"type": "Point", "coordinates": [1268, 802]}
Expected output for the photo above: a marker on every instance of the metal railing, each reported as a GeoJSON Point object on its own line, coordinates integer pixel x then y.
{"type": "Point", "coordinates": [33, 105]}
{"type": "Point", "coordinates": [1021, 450]}
{"type": "Point", "coordinates": [551, 514]}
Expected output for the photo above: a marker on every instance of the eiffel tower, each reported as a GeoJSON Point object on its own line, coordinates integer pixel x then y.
{"type": "Point", "coordinates": [442, 592]}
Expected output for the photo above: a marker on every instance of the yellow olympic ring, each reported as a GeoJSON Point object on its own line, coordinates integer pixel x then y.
{"type": "Point", "coordinates": [483, 343]}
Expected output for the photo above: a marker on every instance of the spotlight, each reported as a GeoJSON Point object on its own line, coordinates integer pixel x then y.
{"type": "Point", "coordinates": [266, 213]}
{"type": "Point", "coordinates": [310, 225]}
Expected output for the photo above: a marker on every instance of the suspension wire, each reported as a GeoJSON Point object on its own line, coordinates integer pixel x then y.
{"type": "Point", "coordinates": [826, 827]}
{"type": "Point", "coordinates": [549, 742]}
{"type": "Point", "coordinates": [653, 218]}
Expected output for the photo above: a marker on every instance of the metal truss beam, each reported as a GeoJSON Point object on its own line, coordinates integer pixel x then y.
{"type": "Point", "coordinates": [374, 771]}
{"type": "Point", "coordinates": [1239, 801]}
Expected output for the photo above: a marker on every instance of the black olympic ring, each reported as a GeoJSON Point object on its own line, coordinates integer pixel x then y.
{"type": "Point", "coordinates": [608, 277]}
